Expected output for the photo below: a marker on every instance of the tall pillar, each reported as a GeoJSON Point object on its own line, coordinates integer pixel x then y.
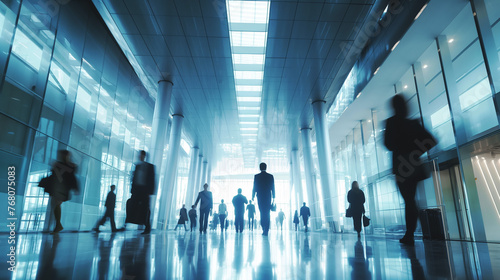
{"type": "Point", "coordinates": [159, 134]}
{"type": "Point", "coordinates": [297, 177]}
{"type": "Point", "coordinates": [160, 122]}
{"type": "Point", "coordinates": [204, 173]}
{"type": "Point", "coordinates": [325, 162]}
{"type": "Point", "coordinates": [195, 152]}
{"type": "Point", "coordinates": [171, 171]}
{"type": "Point", "coordinates": [312, 193]}
{"type": "Point", "coordinates": [197, 186]}
{"type": "Point", "coordinates": [209, 174]}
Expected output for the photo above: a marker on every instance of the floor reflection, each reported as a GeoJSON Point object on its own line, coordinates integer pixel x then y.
{"type": "Point", "coordinates": [287, 255]}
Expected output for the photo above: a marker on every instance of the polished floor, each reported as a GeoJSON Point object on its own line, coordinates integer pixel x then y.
{"type": "Point", "coordinates": [281, 255]}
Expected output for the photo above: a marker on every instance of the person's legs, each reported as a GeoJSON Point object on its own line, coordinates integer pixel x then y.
{"type": "Point", "coordinates": [57, 214]}
{"type": "Point", "coordinates": [357, 222]}
{"type": "Point", "coordinates": [221, 219]}
{"type": "Point", "coordinates": [185, 228]}
{"type": "Point", "coordinates": [148, 215]}
{"type": "Point", "coordinates": [111, 216]}
{"type": "Point", "coordinates": [250, 223]}
{"type": "Point", "coordinates": [408, 190]}
{"type": "Point", "coordinates": [305, 222]}
{"type": "Point", "coordinates": [265, 219]}
{"type": "Point", "coordinates": [202, 219]}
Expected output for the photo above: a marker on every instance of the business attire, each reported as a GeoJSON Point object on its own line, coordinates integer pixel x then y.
{"type": "Point", "coordinates": [192, 218]}
{"type": "Point", "coordinates": [251, 215]}
{"type": "Point", "coordinates": [206, 206]}
{"type": "Point", "coordinates": [356, 198]}
{"type": "Point", "coordinates": [239, 202]}
{"type": "Point", "coordinates": [408, 140]}
{"type": "Point", "coordinates": [222, 215]}
{"type": "Point", "coordinates": [296, 220]}
{"type": "Point", "coordinates": [263, 186]}
{"type": "Point", "coordinates": [183, 218]}
{"type": "Point", "coordinates": [143, 185]}
{"type": "Point", "coordinates": [110, 212]}
{"type": "Point", "coordinates": [305, 213]}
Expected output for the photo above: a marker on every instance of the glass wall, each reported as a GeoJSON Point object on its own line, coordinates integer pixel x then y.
{"type": "Point", "coordinates": [449, 90]}
{"type": "Point", "coordinates": [65, 84]}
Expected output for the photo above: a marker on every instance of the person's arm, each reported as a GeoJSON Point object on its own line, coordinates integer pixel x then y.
{"type": "Point", "coordinates": [254, 190]}
{"type": "Point", "coordinates": [272, 187]}
{"type": "Point", "coordinates": [197, 199]}
{"type": "Point", "coordinates": [349, 196]}
{"type": "Point", "coordinates": [388, 136]}
{"type": "Point", "coordinates": [211, 202]}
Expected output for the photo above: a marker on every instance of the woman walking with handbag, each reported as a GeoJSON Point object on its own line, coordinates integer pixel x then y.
{"type": "Point", "coordinates": [356, 198]}
{"type": "Point", "coordinates": [64, 180]}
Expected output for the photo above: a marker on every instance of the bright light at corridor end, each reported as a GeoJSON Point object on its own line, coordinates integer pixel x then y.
{"type": "Point", "coordinates": [248, 23]}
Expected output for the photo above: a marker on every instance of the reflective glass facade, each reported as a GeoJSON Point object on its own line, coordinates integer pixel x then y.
{"type": "Point", "coordinates": [66, 84]}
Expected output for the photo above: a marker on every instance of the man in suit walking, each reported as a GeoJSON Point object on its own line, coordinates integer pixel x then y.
{"type": "Point", "coordinates": [263, 186]}
{"type": "Point", "coordinates": [143, 186]}
{"type": "Point", "coordinates": [205, 207]}
{"type": "Point", "coordinates": [305, 213]}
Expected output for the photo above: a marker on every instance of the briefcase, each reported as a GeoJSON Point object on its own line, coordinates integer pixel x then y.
{"type": "Point", "coordinates": [136, 212]}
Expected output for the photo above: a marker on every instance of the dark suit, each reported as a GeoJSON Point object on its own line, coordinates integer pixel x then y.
{"type": "Point", "coordinates": [356, 198]}
{"type": "Point", "coordinates": [305, 213]}
{"type": "Point", "coordinates": [143, 185]}
{"type": "Point", "coordinates": [263, 186]}
{"type": "Point", "coordinates": [205, 208]}
{"type": "Point", "coordinates": [110, 211]}
{"type": "Point", "coordinates": [239, 202]}
{"type": "Point", "coordinates": [407, 140]}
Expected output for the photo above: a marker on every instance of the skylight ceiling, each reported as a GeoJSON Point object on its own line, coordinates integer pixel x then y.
{"type": "Point", "coordinates": [248, 23]}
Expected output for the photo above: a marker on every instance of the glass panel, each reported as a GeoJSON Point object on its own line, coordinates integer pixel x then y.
{"type": "Point", "coordinates": [473, 86]}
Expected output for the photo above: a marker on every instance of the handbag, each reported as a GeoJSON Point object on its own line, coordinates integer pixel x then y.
{"type": "Point", "coordinates": [273, 207]}
{"type": "Point", "coordinates": [366, 221]}
{"type": "Point", "coordinates": [46, 183]}
{"type": "Point", "coordinates": [348, 212]}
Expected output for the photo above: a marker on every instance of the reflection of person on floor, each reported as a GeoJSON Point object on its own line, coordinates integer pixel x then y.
{"type": "Point", "coordinates": [360, 266]}
{"type": "Point", "coordinates": [305, 213]}
{"type": "Point", "coordinates": [134, 262]}
{"type": "Point", "coordinates": [110, 210]}
{"type": "Point", "coordinates": [203, 266]}
{"type": "Point", "coordinates": [407, 140]}
{"type": "Point", "coordinates": [265, 269]}
{"type": "Point", "coordinates": [46, 269]}
{"type": "Point", "coordinates": [417, 270]}
{"type": "Point", "coordinates": [306, 253]}
{"type": "Point", "coordinates": [296, 220]}
{"type": "Point", "coordinates": [105, 246]}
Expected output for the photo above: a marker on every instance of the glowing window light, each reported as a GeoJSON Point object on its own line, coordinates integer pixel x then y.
{"type": "Point", "coordinates": [258, 75]}
{"type": "Point", "coordinates": [248, 39]}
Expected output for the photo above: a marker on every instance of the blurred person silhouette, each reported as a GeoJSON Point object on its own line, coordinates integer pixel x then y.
{"type": "Point", "coordinates": [192, 217]}
{"type": "Point", "coordinates": [251, 215]}
{"type": "Point", "coordinates": [356, 198]}
{"type": "Point", "coordinates": [222, 214]}
{"type": "Point", "coordinates": [305, 213]}
{"type": "Point", "coordinates": [407, 140]}
{"type": "Point", "coordinates": [263, 187]}
{"type": "Point", "coordinates": [143, 186]}
{"type": "Point", "coordinates": [206, 206]}
{"type": "Point", "coordinates": [296, 220]}
{"type": "Point", "coordinates": [110, 211]}
{"type": "Point", "coordinates": [239, 202]}
{"type": "Point", "coordinates": [183, 217]}
{"type": "Point", "coordinates": [281, 218]}
{"type": "Point", "coordinates": [63, 181]}
{"type": "Point", "coordinates": [215, 221]}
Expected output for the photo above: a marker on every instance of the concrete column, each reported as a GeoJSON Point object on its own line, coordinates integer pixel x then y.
{"type": "Point", "coordinates": [209, 174]}
{"type": "Point", "coordinates": [171, 172]}
{"type": "Point", "coordinates": [204, 173]}
{"type": "Point", "coordinates": [160, 122]}
{"type": "Point", "coordinates": [297, 178]}
{"type": "Point", "coordinates": [312, 193]}
{"type": "Point", "coordinates": [195, 152]}
{"type": "Point", "coordinates": [325, 162]}
{"type": "Point", "coordinates": [197, 186]}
